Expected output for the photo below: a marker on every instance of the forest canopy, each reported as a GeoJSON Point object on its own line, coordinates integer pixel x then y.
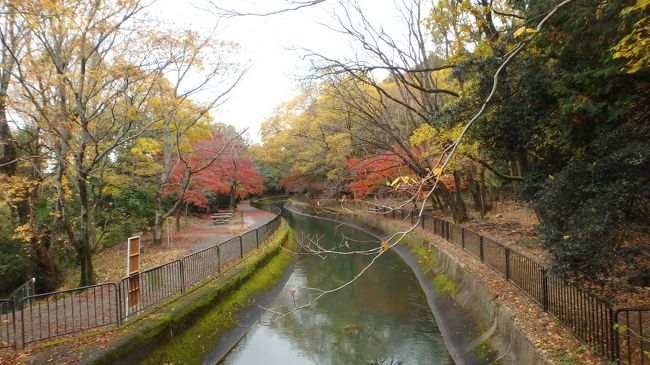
{"type": "Point", "coordinates": [103, 133]}
{"type": "Point", "coordinates": [566, 130]}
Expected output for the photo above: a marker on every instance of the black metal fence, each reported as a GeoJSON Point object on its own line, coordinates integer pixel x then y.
{"type": "Point", "coordinates": [41, 316]}
{"type": "Point", "coordinates": [7, 323]}
{"type": "Point", "coordinates": [622, 335]}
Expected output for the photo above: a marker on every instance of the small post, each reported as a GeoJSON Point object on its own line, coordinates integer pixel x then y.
{"type": "Point", "coordinates": [182, 276]}
{"type": "Point", "coordinates": [448, 230]}
{"type": "Point", "coordinates": [218, 258]}
{"type": "Point", "coordinates": [544, 290]}
{"type": "Point", "coordinates": [13, 322]}
{"type": "Point", "coordinates": [241, 248]}
{"type": "Point", "coordinates": [118, 298]}
{"type": "Point", "coordinates": [462, 237]}
{"type": "Point", "coordinates": [507, 253]}
{"type": "Point", "coordinates": [22, 320]}
{"type": "Point", "coordinates": [613, 319]}
{"type": "Point", "coordinates": [257, 238]}
{"type": "Point", "coordinates": [480, 242]}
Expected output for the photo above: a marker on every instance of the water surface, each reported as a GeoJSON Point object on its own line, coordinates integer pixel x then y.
{"type": "Point", "coordinates": [382, 318]}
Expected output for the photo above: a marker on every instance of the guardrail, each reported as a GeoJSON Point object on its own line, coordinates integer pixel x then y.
{"type": "Point", "coordinates": [38, 317]}
{"type": "Point", "coordinates": [622, 335]}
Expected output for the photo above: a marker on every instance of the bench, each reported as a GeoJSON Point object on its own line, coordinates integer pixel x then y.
{"type": "Point", "coordinates": [220, 218]}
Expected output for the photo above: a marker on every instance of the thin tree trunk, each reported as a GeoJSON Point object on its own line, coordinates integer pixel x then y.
{"type": "Point", "coordinates": [460, 203]}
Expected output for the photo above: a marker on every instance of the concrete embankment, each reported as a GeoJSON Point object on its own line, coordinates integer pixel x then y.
{"type": "Point", "coordinates": [475, 326]}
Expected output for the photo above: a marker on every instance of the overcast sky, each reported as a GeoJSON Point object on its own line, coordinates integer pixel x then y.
{"type": "Point", "coordinates": [267, 42]}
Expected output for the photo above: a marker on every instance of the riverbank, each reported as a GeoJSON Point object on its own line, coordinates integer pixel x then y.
{"type": "Point", "coordinates": [208, 312]}
{"type": "Point", "coordinates": [512, 323]}
{"type": "Point", "coordinates": [159, 323]}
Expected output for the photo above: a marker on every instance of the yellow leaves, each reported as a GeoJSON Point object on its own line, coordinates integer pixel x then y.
{"type": "Point", "coordinates": [15, 188]}
{"type": "Point", "coordinates": [401, 180]}
{"type": "Point", "coordinates": [523, 31]}
{"type": "Point", "coordinates": [437, 171]}
{"type": "Point", "coordinates": [424, 134]}
{"type": "Point", "coordinates": [635, 46]}
{"type": "Point", "coordinates": [385, 245]}
{"type": "Point", "coordinates": [24, 232]}
{"type": "Point", "coordinates": [146, 147]}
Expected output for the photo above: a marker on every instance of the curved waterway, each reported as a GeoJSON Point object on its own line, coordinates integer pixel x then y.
{"type": "Point", "coordinates": [382, 318]}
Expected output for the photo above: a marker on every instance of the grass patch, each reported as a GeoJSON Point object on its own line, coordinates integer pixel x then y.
{"type": "Point", "coordinates": [443, 284]}
{"type": "Point", "coordinates": [483, 350]}
{"type": "Point", "coordinates": [188, 346]}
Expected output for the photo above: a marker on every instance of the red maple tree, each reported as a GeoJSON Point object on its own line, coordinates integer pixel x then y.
{"type": "Point", "coordinates": [214, 165]}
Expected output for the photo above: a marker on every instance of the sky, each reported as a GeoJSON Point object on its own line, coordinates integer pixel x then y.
{"type": "Point", "coordinates": [269, 45]}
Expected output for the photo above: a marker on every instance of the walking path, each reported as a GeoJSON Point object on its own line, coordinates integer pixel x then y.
{"type": "Point", "coordinates": [246, 217]}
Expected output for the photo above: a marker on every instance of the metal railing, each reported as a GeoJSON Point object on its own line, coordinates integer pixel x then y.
{"type": "Point", "coordinates": [622, 335]}
{"type": "Point", "coordinates": [7, 323]}
{"type": "Point", "coordinates": [633, 340]}
{"type": "Point", "coordinates": [37, 317]}
{"type": "Point", "coordinates": [69, 311]}
{"type": "Point", "coordinates": [24, 290]}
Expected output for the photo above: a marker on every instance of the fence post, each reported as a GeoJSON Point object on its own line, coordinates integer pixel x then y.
{"type": "Point", "coordinates": [613, 320]}
{"type": "Point", "coordinates": [218, 258]}
{"type": "Point", "coordinates": [22, 322]}
{"type": "Point", "coordinates": [507, 256]}
{"type": "Point", "coordinates": [393, 210]}
{"type": "Point", "coordinates": [480, 243]}
{"type": "Point", "coordinates": [462, 238]}
{"type": "Point", "coordinates": [13, 322]}
{"type": "Point", "coordinates": [182, 275]}
{"type": "Point", "coordinates": [448, 228]}
{"type": "Point", "coordinates": [257, 238]}
{"type": "Point", "coordinates": [544, 290]}
{"type": "Point", "coordinates": [118, 298]}
{"type": "Point", "coordinates": [241, 247]}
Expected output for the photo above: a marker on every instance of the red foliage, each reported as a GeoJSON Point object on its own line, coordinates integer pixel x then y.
{"type": "Point", "coordinates": [214, 176]}
{"type": "Point", "coordinates": [371, 173]}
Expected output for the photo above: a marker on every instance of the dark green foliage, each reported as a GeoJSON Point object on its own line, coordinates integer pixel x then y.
{"type": "Point", "coordinates": [131, 211]}
{"type": "Point", "coordinates": [575, 125]}
{"type": "Point", "coordinates": [597, 208]}
{"type": "Point", "coordinates": [12, 265]}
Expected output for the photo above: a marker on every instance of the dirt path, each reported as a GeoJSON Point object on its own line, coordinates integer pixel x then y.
{"type": "Point", "coordinates": [195, 235]}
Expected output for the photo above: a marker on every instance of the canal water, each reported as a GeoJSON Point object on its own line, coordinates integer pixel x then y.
{"type": "Point", "coordinates": [382, 318]}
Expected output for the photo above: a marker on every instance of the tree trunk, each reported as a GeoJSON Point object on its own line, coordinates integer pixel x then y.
{"type": "Point", "coordinates": [87, 272]}
{"type": "Point", "coordinates": [84, 250]}
{"type": "Point", "coordinates": [7, 144]}
{"type": "Point", "coordinates": [157, 227]}
{"type": "Point", "coordinates": [460, 203]}
{"type": "Point", "coordinates": [486, 204]}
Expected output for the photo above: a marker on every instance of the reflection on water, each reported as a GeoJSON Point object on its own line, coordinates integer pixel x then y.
{"type": "Point", "coordinates": [382, 318]}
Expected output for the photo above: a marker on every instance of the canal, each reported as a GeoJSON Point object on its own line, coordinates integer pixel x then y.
{"type": "Point", "coordinates": [382, 318]}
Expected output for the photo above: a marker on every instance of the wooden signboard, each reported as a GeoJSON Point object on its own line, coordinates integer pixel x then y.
{"type": "Point", "coordinates": [133, 273]}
